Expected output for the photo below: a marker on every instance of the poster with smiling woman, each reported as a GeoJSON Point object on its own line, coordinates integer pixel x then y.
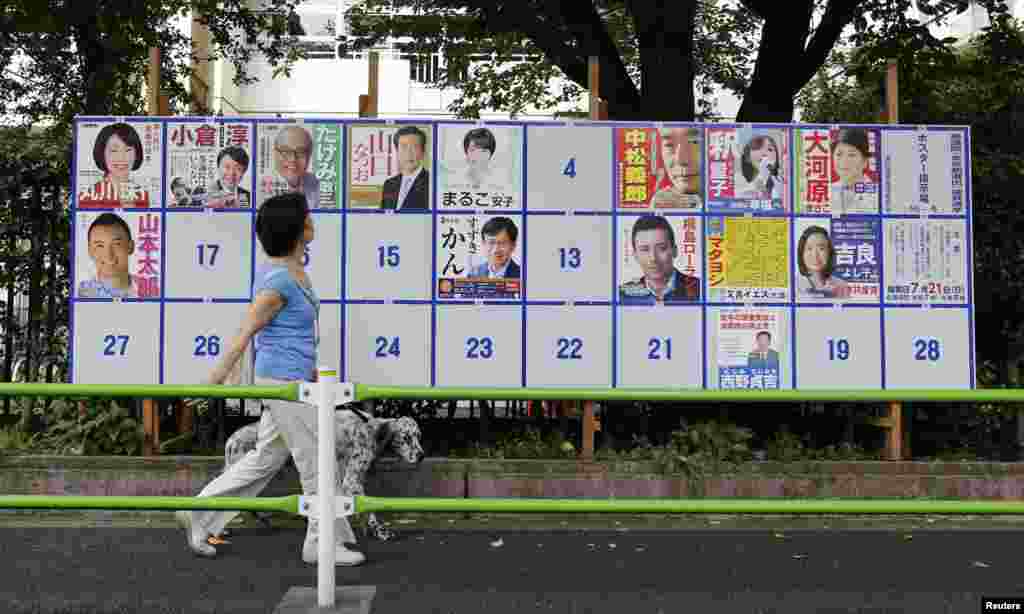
{"type": "Point", "coordinates": [837, 170]}
{"type": "Point", "coordinates": [837, 260]}
{"type": "Point", "coordinates": [748, 169]}
{"type": "Point", "coordinates": [118, 165]}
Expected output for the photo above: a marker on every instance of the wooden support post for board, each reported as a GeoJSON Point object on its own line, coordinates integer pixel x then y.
{"type": "Point", "coordinates": [598, 107]}
{"type": "Point", "coordinates": [598, 112]}
{"type": "Point", "coordinates": [186, 416]}
{"type": "Point", "coordinates": [153, 82]}
{"type": "Point", "coordinates": [156, 105]}
{"type": "Point", "coordinates": [897, 438]}
{"type": "Point", "coordinates": [368, 103]}
{"type": "Point", "coordinates": [590, 427]}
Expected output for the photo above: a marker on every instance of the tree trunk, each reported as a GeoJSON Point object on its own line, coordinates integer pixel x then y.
{"type": "Point", "coordinates": [780, 58]}
{"type": "Point", "coordinates": [665, 39]}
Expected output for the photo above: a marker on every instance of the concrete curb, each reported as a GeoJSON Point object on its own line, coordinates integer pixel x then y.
{"type": "Point", "coordinates": [442, 477]}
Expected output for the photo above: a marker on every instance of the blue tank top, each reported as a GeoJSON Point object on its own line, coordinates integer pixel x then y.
{"type": "Point", "coordinates": [286, 346]}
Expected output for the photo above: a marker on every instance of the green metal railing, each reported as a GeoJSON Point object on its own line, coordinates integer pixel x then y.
{"type": "Point", "coordinates": [365, 504]}
{"type": "Point", "coordinates": [290, 392]}
{"type": "Point", "coordinates": [369, 391]}
{"type": "Point", "coordinates": [328, 506]}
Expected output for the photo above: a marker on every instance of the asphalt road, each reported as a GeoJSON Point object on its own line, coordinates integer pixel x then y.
{"type": "Point", "coordinates": [78, 570]}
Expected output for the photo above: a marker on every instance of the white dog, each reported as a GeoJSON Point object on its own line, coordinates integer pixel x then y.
{"type": "Point", "coordinates": [360, 439]}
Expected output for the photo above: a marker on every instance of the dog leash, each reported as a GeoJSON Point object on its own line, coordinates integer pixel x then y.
{"type": "Point", "coordinates": [352, 408]}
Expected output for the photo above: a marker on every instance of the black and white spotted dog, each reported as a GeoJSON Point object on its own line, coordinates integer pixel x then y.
{"type": "Point", "coordinates": [360, 439]}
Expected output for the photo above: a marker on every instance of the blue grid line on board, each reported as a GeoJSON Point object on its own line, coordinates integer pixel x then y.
{"type": "Point", "coordinates": [883, 193]}
{"type": "Point", "coordinates": [387, 301]}
{"type": "Point", "coordinates": [736, 305]}
{"type": "Point", "coordinates": [703, 260]}
{"type": "Point", "coordinates": [162, 336]}
{"type": "Point", "coordinates": [211, 300]}
{"type": "Point", "coordinates": [73, 246]}
{"type": "Point", "coordinates": [842, 305]}
{"type": "Point", "coordinates": [482, 211]}
{"type": "Point", "coordinates": [614, 180]}
{"type": "Point", "coordinates": [792, 260]}
{"type": "Point", "coordinates": [433, 261]}
{"type": "Point", "coordinates": [345, 132]}
{"type": "Point", "coordinates": [363, 211]}
{"type": "Point", "coordinates": [925, 306]}
{"type": "Point", "coordinates": [969, 248]}
{"type": "Point", "coordinates": [526, 241]}
{"type": "Point", "coordinates": [122, 300]}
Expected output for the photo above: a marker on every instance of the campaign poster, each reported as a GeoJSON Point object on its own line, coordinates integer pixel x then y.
{"type": "Point", "coordinates": [924, 171]}
{"type": "Point", "coordinates": [926, 261]}
{"type": "Point", "coordinates": [837, 259]}
{"type": "Point", "coordinates": [389, 166]}
{"type": "Point", "coordinates": [118, 164]}
{"type": "Point", "coordinates": [660, 259]}
{"type": "Point", "coordinates": [118, 255]}
{"type": "Point", "coordinates": [479, 167]}
{"type": "Point", "coordinates": [749, 348]}
{"type": "Point", "coordinates": [300, 157]}
{"type": "Point", "coordinates": [837, 170]}
{"type": "Point", "coordinates": [747, 259]}
{"type": "Point", "coordinates": [748, 169]}
{"type": "Point", "coordinates": [208, 165]}
{"type": "Point", "coordinates": [479, 257]}
{"type": "Point", "coordinates": [659, 168]}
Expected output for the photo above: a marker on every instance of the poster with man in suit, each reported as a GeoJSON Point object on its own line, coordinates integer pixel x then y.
{"type": "Point", "coordinates": [389, 167]}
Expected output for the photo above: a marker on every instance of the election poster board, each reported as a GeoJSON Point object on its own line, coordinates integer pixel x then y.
{"type": "Point", "coordinates": [547, 254]}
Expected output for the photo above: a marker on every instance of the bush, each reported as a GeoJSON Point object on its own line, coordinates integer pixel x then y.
{"type": "Point", "coordinates": [103, 427]}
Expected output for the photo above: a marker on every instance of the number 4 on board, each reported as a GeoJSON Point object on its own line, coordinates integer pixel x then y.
{"type": "Point", "coordinates": [570, 168]}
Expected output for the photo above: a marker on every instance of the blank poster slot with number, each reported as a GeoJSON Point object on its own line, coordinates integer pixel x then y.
{"type": "Point", "coordinates": [660, 347]}
{"type": "Point", "coordinates": [568, 347]}
{"type": "Point", "coordinates": [838, 348]}
{"type": "Point", "coordinates": [569, 258]}
{"type": "Point", "coordinates": [388, 344]}
{"type": "Point", "coordinates": [196, 337]}
{"type": "Point", "coordinates": [569, 168]}
{"type": "Point", "coordinates": [208, 255]}
{"type": "Point", "coordinates": [120, 344]}
{"type": "Point", "coordinates": [479, 346]}
{"type": "Point", "coordinates": [389, 257]}
{"type": "Point", "coordinates": [927, 348]}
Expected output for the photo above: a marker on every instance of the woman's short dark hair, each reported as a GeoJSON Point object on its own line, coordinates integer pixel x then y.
{"type": "Point", "coordinates": [749, 170]}
{"type": "Point", "coordinates": [482, 137]}
{"type": "Point", "coordinates": [830, 265]}
{"type": "Point", "coordinates": [236, 153]}
{"type": "Point", "coordinates": [854, 137]}
{"type": "Point", "coordinates": [280, 223]}
{"type": "Point", "coordinates": [124, 132]}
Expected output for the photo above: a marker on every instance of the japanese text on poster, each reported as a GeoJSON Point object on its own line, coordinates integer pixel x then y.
{"type": "Point", "coordinates": [747, 259]}
{"type": "Point", "coordinates": [659, 168]}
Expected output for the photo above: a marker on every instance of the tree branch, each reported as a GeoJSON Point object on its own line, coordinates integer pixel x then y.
{"type": "Point", "coordinates": [519, 17]}
{"type": "Point", "coordinates": [838, 15]}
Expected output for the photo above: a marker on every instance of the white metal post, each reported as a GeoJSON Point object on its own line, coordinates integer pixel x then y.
{"type": "Point", "coordinates": [326, 379]}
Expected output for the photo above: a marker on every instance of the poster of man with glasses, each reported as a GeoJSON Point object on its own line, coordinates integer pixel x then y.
{"type": "Point", "coordinates": [299, 158]}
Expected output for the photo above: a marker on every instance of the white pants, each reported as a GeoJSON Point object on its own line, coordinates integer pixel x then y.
{"type": "Point", "coordinates": [285, 428]}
